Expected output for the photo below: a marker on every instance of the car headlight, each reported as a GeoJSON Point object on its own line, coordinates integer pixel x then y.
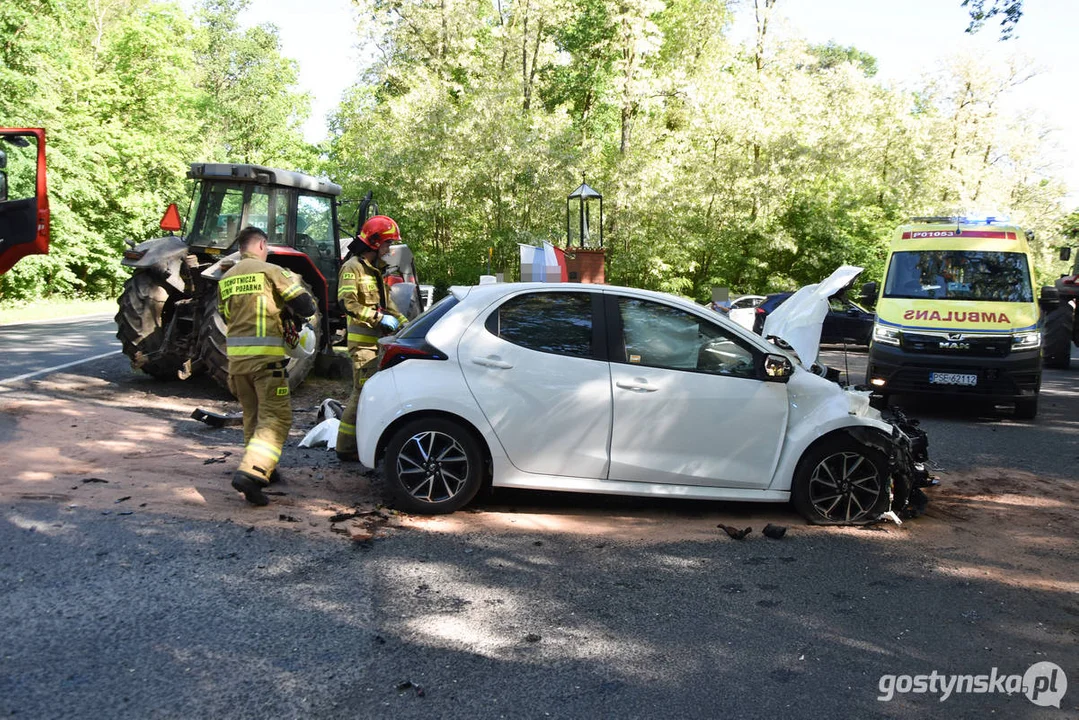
{"type": "Point", "coordinates": [1026, 340]}
{"type": "Point", "coordinates": [885, 335]}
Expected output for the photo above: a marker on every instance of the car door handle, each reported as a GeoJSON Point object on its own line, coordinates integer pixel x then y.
{"type": "Point", "coordinates": [637, 385]}
{"type": "Point", "coordinates": [492, 361]}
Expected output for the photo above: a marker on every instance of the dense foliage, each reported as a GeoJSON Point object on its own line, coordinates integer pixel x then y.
{"type": "Point", "coordinates": [759, 165]}
{"type": "Point", "coordinates": [130, 92]}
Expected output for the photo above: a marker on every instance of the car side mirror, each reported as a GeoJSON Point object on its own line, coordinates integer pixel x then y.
{"type": "Point", "coordinates": [777, 368]}
{"type": "Point", "coordinates": [3, 187]}
{"type": "Point", "coordinates": [1065, 252]}
{"type": "Point", "coordinates": [869, 293]}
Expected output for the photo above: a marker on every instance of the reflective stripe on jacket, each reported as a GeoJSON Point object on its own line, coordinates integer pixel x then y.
{"type": "Point", "coordinates": [361, 293]}
{"type": "Point", "coordinates": [251, 296]}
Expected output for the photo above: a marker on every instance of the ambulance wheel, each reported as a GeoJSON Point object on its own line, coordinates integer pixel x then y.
{"type": "Point", "coordinates": [1026, 408]}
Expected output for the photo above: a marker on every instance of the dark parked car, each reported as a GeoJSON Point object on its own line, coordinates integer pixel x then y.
{"type": "Point", "coordinates": [846, 321]}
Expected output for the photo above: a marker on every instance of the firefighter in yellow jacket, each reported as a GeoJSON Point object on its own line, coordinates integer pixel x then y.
{"type": "Point", "coordinates": [253, 294]}
{"type": "Point", "coordinates": [369, 311]}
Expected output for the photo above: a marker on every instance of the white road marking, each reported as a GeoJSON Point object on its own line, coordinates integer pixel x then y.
{"type": "Point", "coordinates": [58, 367]}
{"type": "Point", "coordinates": [57, 321]}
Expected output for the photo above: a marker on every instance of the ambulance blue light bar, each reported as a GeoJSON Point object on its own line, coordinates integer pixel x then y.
{"type": "Point", "coordinates": [980, 219]}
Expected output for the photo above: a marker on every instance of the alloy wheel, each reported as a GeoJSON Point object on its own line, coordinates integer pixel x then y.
{"type": "Point", "coordinates": [432, 466]}
{"type": "Point", "coordinates": [844, 487]}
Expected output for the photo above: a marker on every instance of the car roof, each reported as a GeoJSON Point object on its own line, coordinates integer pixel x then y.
{"type": "Point", "coordinates": [484, 295]}
{"type": "Point", "coordinates": [494, 291]}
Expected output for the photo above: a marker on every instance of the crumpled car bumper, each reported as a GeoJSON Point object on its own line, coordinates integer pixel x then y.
{"type": "Point", "coordinates": [908, 455]}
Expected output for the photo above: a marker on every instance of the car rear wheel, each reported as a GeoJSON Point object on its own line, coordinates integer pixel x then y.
{"type": "Point", "coordinates": [841, 482]}
{"type": "Point", "coordinates": [432, 466]}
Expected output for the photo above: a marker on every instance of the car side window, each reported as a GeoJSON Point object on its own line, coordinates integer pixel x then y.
{"type": "Point", "coordinates": [657, 335]}
{"type": "Point", "coordinates": [557, 323]}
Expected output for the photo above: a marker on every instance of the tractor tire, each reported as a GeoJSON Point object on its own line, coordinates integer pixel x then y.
{"type": "Point", "coordinates": [1057, 337]}
{"type": "Point", "coordinates": [140, 327]}
{"type": "Point", "coordinates": [214, 358]}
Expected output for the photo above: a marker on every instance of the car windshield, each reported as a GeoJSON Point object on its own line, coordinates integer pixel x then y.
{"type": "Point", "coordinates": [981, 275]}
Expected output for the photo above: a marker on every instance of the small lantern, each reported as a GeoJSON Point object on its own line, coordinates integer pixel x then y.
{"type": "Point", "coordinates": [584, 195]}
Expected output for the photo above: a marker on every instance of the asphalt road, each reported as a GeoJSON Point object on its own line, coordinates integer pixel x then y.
{"type": "Point", "coordinates": [28, 349]}
{"type": "Point", "coordinates": [131, 616]}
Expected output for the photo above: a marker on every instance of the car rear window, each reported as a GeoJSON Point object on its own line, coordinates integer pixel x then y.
{"type": "Point", "coordinates": [418, 328]}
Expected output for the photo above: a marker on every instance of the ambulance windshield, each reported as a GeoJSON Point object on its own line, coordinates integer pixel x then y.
{"type": "Point", "coordinates": [980, 275]}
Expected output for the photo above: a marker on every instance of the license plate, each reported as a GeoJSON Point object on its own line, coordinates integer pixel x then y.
{"type": "Point", "coordinates": [939, 378]}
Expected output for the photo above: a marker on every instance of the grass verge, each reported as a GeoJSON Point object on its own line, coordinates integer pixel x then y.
{"type": "Point", "coordinates": [38, 310]}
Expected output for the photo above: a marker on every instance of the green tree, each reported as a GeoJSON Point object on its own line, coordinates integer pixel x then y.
{"type": "Point", "coordinates": [1009, 11]}
{"type": "Point", "coordinates": [250, 111]}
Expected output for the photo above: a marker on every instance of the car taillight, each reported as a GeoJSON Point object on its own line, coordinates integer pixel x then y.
{"type": "Point", "coordinates": [134, 254]}
{"type": "Point", "coordinates": [397, 352]}
{"type": "Point", "coordinates": [1073, 280]}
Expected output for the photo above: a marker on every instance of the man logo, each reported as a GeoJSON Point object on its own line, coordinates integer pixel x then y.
{"type": "Point", "coordinates": [953, 345]}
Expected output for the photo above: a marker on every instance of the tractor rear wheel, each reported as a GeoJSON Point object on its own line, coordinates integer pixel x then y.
{"type": "Point", "coordinates": [212, 347]}
{"type": "Point", "coordinates": [140, 327]}
{"type": "Point", "coordinates": [1057, 337]}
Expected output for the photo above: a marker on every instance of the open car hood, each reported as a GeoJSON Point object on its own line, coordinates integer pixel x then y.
{"type": "Point", "coordinates": [798, 321]}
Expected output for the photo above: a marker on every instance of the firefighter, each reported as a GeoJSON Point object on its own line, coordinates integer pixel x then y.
{"type": "Point", "coordinates": [362, 293]}
{"type": "Point", "coordinates": [253, 296]}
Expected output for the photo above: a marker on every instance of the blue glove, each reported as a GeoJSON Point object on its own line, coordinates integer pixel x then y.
{"type": "Point", "coordinates": [389, 322]}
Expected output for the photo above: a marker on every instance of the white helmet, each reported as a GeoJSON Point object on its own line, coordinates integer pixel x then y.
{"type": "Point", "coordinates": [305, 344]}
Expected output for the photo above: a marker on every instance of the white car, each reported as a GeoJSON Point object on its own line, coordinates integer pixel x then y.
{"type": "Point", "coordinates": [601, 389]}
{"type": "Point", "coordinates": [743, 309]}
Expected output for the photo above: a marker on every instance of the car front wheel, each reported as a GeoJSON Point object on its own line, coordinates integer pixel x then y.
{"type": "Point", "coordinates": [432, 466]}
{"type": "Point", "coordinates": [841, 482]}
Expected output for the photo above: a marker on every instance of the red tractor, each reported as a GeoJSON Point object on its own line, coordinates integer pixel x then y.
{"type": "Point", "coordinates": [168, 320]}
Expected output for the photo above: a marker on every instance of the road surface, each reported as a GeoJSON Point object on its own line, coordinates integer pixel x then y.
{"type": "Point", "coordinates": [33, 349]}
{"type": "Point", "coordinates": [531, 605]}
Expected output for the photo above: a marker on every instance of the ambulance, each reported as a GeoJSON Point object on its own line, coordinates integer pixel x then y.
{"type": "Point", "coordinates": [957, 316]}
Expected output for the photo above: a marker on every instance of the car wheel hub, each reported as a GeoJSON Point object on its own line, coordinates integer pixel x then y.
{"type": "Point", "coordinates": [432, 466]}
{"type": "Point", "coordinates": [844, 487]}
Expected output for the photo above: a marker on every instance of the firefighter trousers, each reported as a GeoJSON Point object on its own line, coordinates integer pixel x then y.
{"type": "Point", "coordinates": [264, 397]}
{"type": "Point", "coordinates": [363, 367]}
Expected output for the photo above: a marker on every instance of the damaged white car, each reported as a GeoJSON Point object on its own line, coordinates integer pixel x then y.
{"type": "Point", "coordinates": [600, 389]}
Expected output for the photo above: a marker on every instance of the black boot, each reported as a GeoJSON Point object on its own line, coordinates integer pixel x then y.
{"type": "Point", "coordinates": [276, 477]}
{"type": "Point", "coordinates": [348, 456]}
{"type": "Point", "coordinates": [250, 486]}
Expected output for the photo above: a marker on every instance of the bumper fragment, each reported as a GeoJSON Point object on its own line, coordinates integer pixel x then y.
{"type": "Point", "coordinates": [909, 458]}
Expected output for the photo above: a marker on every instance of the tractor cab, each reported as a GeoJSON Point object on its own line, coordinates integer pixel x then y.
{"type": "Point", "coordinates": [297, 212]}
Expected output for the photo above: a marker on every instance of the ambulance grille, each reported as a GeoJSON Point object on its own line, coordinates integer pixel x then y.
{"type": "Point", "coordinates": [976, 346]}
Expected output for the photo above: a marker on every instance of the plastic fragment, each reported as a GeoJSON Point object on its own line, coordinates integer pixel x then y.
{"type": "Point", "coordinates": [735, 533]}
{"type": "Point", "coordinates": [774, 531]}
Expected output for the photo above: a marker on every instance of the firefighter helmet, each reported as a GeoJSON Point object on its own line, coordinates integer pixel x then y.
{"type": "Point", "coordinates": [378, 231]}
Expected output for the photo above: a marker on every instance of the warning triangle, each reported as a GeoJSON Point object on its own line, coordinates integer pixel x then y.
{"type": "Point", "coordinates": [171, 221]}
